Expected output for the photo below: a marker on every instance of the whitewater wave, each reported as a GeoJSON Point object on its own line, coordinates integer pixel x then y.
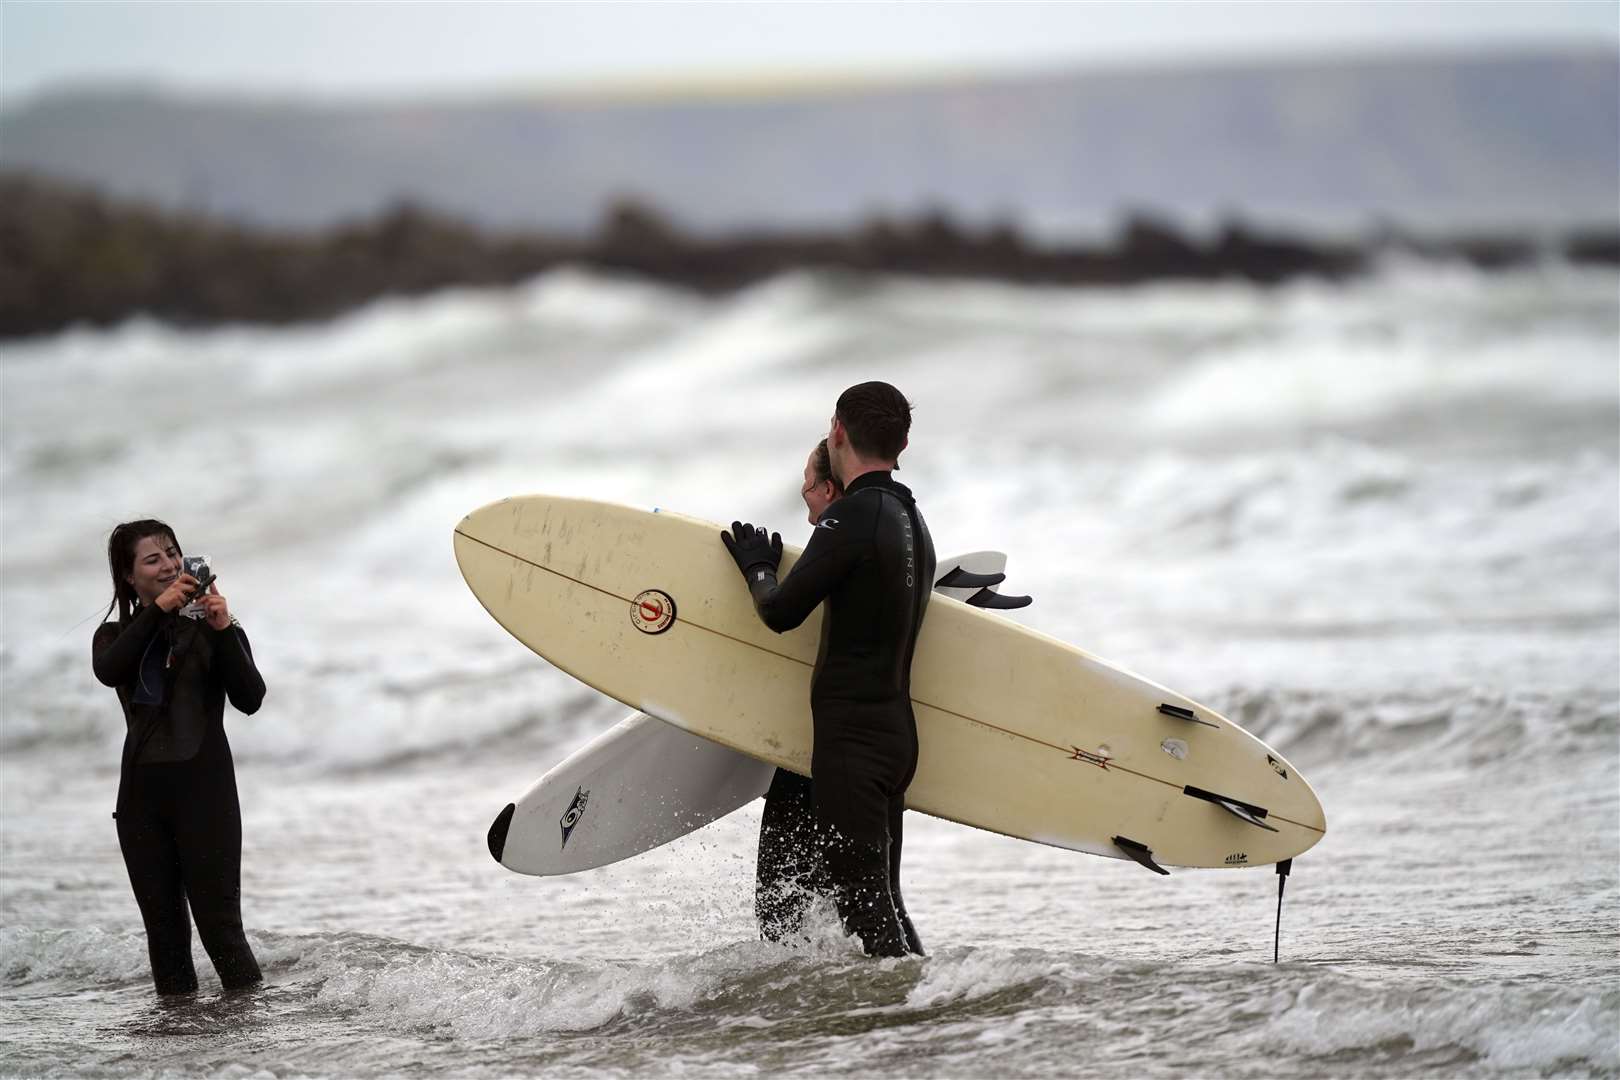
{"type": "Point", "coordinates": [1476, 728]}
{"type": "Point", "coordinates": [89, 956]}
{"type": "Point", "coordinates": [1234, 1015]}
{"type": "Point", "coordinates": [1515, 1028]}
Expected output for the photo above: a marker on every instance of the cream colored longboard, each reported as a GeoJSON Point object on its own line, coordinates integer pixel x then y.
{"type": "Point", "coordinates": [643, 783]}
{"type": "Point", "coordinates": [1019, 733]}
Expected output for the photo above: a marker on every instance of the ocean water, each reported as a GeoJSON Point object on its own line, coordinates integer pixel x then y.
{"type": "Point", "coordinates": [1377, 523]}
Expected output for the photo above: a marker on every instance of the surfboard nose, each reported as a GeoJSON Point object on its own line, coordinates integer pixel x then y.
{"type": "Point", "coordinates": [497, 831]}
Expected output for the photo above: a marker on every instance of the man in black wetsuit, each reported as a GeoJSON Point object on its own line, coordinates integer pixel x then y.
{"type": "Point", "coordinates": [871, 559]}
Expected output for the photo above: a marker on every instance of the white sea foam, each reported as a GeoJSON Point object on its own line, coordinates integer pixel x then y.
{"type": "Point", "coordinates": [1513, 1028]}
{"type": "Point", "coordinates": [88, 955]}
{"type": "Point", "coordinates": [482, 998]}
{"type": "Point", "coordinates": [956, 975]}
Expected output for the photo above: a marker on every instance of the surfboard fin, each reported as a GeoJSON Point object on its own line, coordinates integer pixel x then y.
{"type": "Point", "coordinates": [987, 598]}
{"type": "Point", "coordinates": [1236, 807]}
{"type": "Point", "coordinates": [1141, 853]}
{"type": "Point", "coordinates": [497, 831]}
{"type": "Point", "coordinates": [958, 578]}
{"type": "Point", "coordinates": [1181, 713]}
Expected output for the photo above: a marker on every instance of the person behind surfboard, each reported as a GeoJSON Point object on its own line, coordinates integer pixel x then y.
{"type": "Point", "coordinates": [872, 560]}
{"type": "Point", "coordinates": [788, 872]}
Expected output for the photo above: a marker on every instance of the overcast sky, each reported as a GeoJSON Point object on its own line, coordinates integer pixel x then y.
{"type": "Point", "coordinates": [425, 49]}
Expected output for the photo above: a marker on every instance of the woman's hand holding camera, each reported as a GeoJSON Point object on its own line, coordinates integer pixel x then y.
{"type": "Point", "coordinates": [178, 594]}
{"type": "Point", "coordinates": [215, 609]}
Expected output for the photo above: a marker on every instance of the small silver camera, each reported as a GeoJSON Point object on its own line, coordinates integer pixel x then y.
{"type": "Point", "coordinates": [197, 566]}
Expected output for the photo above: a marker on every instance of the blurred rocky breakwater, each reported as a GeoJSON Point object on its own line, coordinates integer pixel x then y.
{"type": "Point", "coordinates": [71, 256]}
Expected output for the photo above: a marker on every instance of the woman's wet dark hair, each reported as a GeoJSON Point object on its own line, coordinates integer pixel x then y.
{"type": "Point", "coordinates": [121, 560]}
{"type": "Point", "coordinates": [823, 467]}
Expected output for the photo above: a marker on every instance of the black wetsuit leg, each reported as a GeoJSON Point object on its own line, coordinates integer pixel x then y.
{"type": "Point", "coordinates": [788, 876]}
{"type": "Point", "coordinates": [897, 810]}
{"type": "Point", "coordinates": [862, 761]}
{"type": "Point", "coordinates": [152, 857]}
{"type": "Point", "coordinates": [790, 873]}
{"type": "Point", "coordinates": [211, 855]}
{"type": "Point", "coordinates": [180, 829]}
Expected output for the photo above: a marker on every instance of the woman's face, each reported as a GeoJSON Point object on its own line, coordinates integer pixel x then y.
{"type": "Point", "coordinates": [157, 564]}
{"type": "Point", "coordinates": [817, 496]}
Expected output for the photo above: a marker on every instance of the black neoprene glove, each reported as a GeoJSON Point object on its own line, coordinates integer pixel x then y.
{"type": "Point", "coordinates": [751, 547]}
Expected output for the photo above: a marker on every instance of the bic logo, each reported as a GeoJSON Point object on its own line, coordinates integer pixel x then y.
{"type": "Point", "coordinates": [575, 811]}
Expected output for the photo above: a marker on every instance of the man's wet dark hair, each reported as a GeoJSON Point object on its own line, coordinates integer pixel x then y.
{"type": "Point", "coordinates": [878, 419]}
{"type": "Point", "coordinates": [823, 467]}
{"type": "Point", "coordinates": [121, 560]}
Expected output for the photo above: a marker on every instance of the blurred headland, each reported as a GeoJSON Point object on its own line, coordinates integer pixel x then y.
{"type": "Point", "coordinates": [1442, 141]}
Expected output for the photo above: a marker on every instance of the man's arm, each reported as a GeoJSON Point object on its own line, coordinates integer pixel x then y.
{"type": "Point", "coordinates": [785, 604]}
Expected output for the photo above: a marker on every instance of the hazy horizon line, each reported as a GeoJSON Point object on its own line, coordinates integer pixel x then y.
{"type": "Point", "coordinates": [797, 81]}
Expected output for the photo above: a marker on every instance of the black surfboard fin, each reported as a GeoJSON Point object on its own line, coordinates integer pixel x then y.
{"type": "Point", "coordinates": [497, 831]}
{"type": "Point", "coordinates": [958, 578]}
{"type": "Point", "coordinates": [994, 601]}
{"type": "Point", "coordinates": [1141, 853]}
{"type": "Point", "coordinates": [1181, 713]}
{"type": "Point", "coordinates": [1236, 807]}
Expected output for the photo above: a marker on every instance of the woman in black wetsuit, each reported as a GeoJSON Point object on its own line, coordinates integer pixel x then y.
{"type": "Point", "coordinates": [179, 822]}
{"type": "Point", "coordinates": [789, 871]}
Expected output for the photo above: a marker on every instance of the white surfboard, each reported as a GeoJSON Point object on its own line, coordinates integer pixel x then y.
{"type": "Point", "coordinates": [1019, 733]}
{"type": "Point", "coordinates": [643, 783]}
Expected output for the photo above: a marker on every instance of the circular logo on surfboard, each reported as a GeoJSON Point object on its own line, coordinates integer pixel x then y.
{"type": "Point", "coordinates": [653, 611]}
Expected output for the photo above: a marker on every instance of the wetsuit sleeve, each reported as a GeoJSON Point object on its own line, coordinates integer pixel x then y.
{"type": "Point", "coordinates": [115, 653]}
{"type": "Point", "coordinates": [785, 604]}
{"type": "Point", "coordinates": [233, 657]}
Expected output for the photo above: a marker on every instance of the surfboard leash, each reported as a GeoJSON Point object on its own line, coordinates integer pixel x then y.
{"type": "Point", "coordinates": [1282, 880]}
